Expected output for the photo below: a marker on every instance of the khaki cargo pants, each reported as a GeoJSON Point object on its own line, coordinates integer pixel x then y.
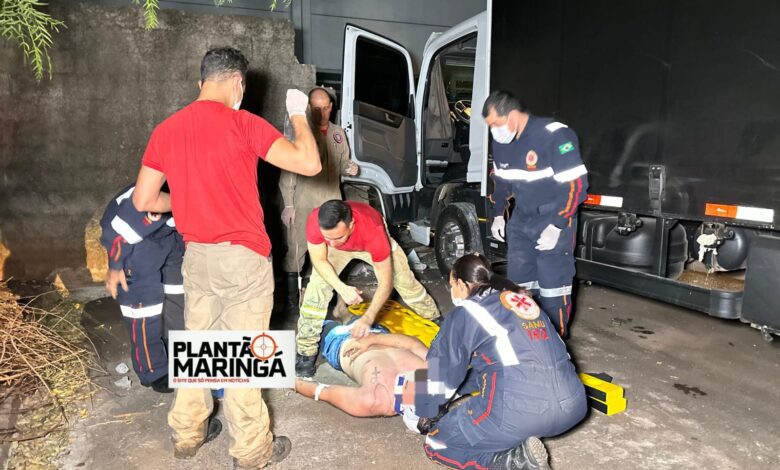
{"type": "Point", "coordinates": [295, 237]}
{"type": "Point", "coordinates": [226, 287]}
{"type": "Point", "coordinates": [319, 293]}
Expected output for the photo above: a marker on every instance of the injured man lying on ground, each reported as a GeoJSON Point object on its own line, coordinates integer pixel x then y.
{"type": "Point", "coordinates": [383, 364]}
{"type": "Point", "coordinates": [379, 364]}
{"type": "Point", "coordinates": [496, 378]}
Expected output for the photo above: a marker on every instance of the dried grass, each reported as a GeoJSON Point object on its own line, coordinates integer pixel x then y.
{"type": "Point", "coordinates": [45, 368]}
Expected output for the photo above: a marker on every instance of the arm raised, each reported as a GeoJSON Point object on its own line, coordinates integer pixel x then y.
{"type": "Point", "coordinates": [301, 157]}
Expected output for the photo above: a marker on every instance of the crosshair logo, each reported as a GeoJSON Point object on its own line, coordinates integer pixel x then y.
{"type": "Point", "coordinates": [263, 347]}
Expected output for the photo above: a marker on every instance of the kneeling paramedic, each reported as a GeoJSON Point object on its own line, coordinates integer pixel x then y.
{"type": "Point", "coordinates": [522, 383]}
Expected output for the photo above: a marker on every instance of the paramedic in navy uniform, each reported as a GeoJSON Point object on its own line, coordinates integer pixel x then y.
{"type": "Point", "coordinates": [537, 162]}
{"type": "Point", "coordinates": [520, 383]}
{"type": "Point", "coordinates": [145, 254]}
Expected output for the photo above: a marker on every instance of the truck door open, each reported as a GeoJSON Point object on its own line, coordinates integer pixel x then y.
{"type": "Point", "coordinates": [378, 116]}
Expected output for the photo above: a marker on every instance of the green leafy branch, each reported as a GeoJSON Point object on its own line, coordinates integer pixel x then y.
{"type": "Point", "coordinates": [23, 22]}
{"type": "Point", "coordinates": [274, 4]}
{"type": "Point", "coordinates": [151, 7]}
{"type": "Point", "coordinates": [150, 12]}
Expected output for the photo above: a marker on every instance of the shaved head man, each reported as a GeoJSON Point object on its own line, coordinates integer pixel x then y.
{"type": "Point", "coordinates": [302, 194]}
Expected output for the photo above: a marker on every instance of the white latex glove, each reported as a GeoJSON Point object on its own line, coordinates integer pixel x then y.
{"type": "Point", "coordinates": [549, 238]}
{"type": "Point", "coordinates": [297, 102]}
{"type": "Point", "coordinates": [352, 169]}
{"type": "Point", "coordinates": [288, 216]}
{"type": "Point", "coordinates": [498, 228]}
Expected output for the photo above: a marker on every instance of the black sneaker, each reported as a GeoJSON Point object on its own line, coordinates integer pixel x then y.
{"type": "Point", "coordinates": [281, 448]}
{"type": "Point", "coordinates": [305, 366]}
{"type": "Point", "coordinates": [530, 455]}
{"type": "Point", "coordinates": [215, 427]}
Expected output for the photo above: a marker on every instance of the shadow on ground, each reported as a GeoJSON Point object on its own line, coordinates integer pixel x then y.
{"type": "Point", "coordinates": [697, 389]}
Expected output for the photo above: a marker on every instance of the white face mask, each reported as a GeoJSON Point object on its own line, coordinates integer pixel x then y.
{"type": "Point", "coordinates": [456, 302]}
{"type": "Point", "coordinates": [502, 134]}
{"type": "Point", "coordinates": [237, 104]}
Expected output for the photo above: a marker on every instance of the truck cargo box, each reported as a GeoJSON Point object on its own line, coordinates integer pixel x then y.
{"type": "Point", "coordinates": [689, 86]}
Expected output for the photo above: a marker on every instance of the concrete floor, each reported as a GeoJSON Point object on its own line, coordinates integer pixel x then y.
{"type": "Point", "coordinates": [702, 393]}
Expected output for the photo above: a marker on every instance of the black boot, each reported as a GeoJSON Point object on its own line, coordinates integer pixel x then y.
{"type": "Point", "coordinates": [530, 455]}
{"type": "Point", "coordinates": [280, 449]}
{"type": "Point", "coordinates": [291, 304]}
{"type": "Point", "coordinates": [160, 385]}
{"type": "Point", "coordinates": [214, 427]}
{"type": "Point", "coordinates": [305, 366]}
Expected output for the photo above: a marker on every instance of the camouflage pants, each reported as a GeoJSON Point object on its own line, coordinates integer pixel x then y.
{"type": "Point", "coordinates": [319, 294]}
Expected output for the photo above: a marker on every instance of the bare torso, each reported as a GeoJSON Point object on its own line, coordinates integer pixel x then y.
{"type": "Point", "coordinates": [377, 369]}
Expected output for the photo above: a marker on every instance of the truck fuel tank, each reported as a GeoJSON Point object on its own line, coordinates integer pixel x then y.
{"type": "Point", "coordinates": [628, 241]}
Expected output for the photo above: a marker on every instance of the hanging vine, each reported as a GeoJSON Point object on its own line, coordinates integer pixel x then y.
{"type": "Point", "coordinates": [25, 23]}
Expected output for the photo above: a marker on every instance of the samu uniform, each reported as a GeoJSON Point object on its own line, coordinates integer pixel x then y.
{"type": "Point", "coordinates": [150, 251]}
{"type": "Point", "coordinates": [523, 380]}
{"type": "Point", "coordinates": [543, 171]}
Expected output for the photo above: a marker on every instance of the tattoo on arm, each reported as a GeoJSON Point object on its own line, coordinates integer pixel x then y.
{"type": "Point", "coordinates": [375, 375]}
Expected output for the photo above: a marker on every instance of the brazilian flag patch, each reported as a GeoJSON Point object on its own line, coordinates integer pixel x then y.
{"type": "Point", "coordinates": [566, 148]}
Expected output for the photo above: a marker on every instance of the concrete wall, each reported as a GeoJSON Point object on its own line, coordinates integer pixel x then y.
{"type": "Point", "coordinates": [68, 144]}
{"type": "Point", "coordinates": [319, 24]}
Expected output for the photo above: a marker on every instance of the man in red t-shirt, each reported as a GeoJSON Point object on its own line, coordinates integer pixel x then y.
{"type": "Point", "coordinates": [208, 153]}
{"type": "Point", "coordinates": [336, 233]}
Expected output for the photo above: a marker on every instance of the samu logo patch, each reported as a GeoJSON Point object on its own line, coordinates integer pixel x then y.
{"type": "Point", "coordinates": [521, 304]}
{"type": "Point", "coordinates": [566, 148]}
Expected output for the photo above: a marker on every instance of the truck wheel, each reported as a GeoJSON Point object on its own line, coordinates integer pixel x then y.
{"type": "Point", "coordinates": [457, 234]}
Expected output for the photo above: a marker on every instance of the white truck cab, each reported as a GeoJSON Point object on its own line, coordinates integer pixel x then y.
{"type": "Point", "coordinates": [414, 143]}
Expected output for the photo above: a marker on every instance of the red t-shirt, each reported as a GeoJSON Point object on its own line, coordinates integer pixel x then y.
{"type": "Point", "coordinates": [369, 235]}
{"type": "Point", "coordinates": [209, 153]}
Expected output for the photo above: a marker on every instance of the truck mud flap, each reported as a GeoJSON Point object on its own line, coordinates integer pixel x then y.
{"type": "Point", "coordinates": [717, 303]}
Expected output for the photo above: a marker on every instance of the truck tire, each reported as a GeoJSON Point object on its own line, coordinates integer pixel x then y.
{"type": "Point", "coordinates": [457, 234]}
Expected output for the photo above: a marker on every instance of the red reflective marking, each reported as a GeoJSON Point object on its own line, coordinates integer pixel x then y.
{"type": "Point", "coordinates": [593, 200]}
{"type": "Point", "coordinates": [438, 456]}
{"type": "Point", "coordinates": [720, 210]}
{"type": "Point", "coordinates": [490, 400]}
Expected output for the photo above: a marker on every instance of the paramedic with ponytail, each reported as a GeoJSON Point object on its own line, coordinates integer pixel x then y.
{"type": "Point", "coordinates": [522, 385]}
